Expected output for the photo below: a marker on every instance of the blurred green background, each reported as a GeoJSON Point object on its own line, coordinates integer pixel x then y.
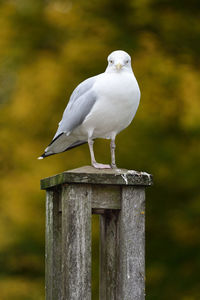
{"type": "Point", "coordinates": [46, 49]}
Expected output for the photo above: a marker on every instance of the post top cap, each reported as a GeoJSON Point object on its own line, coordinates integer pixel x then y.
{"type": "Point", "coordinates": [89, 174]}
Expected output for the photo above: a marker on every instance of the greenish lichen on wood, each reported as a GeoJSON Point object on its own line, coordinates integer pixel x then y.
{"type": "Point", "coordinates": [91, 175]}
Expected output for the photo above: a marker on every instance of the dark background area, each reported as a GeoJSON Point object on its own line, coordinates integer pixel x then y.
{"type": "Point", "coordinates": [46, 49]}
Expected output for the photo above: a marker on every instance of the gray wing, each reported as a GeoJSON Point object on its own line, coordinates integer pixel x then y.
{"type": "Point", "coordinates": [81, 89]}
{"type": "Point", "coordinates": [79, 106]}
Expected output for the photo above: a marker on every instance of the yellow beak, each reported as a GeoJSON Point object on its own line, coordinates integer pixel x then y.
{"type": "Point", "coordinates": [118, 66]}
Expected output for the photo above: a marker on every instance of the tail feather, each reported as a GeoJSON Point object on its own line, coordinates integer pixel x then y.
{"type": "Point", "coordinates": [76, 144]}
{"type": "Point", "coordinates": [60, 144]}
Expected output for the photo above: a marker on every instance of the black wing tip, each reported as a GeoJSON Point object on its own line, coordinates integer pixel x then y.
{"type": "Point", "coordinates": [42, 156]}
{"type": "Point", "coordinates": [45, 155]}
{"type": "Point", "coordinates": [55, 139]}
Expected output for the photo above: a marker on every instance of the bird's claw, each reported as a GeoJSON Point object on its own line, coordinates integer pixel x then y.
{"type": "Point", "coordinates": [100, 166]}
{"type": "Point", "coordinates": [113, 166]}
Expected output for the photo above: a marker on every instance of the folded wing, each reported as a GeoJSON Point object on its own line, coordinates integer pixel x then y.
{"type": "Point", "coordinates": [79, 106]}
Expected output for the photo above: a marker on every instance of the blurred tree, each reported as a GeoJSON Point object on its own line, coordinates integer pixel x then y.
{"type": "Point", "coordinates": [46, 49]}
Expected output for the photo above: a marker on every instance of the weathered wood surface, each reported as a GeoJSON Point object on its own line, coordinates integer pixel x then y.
{"type": "Point", "coordinates": [119, 197]}
{"type": "Point", "coordinates": [76, 242]}
{"type": "Point", "coordinates": [91, 175]}
{"type": "Point", "coordinates": [131, 226]}
{"type": "Point", "coordinates": [106, 197]}
{"type": "Point", "coordinates": [53, 246]}
{"type": "Point", "coordinates": [109, 258]}
{"type": "Point", "coordinates": [122, 248]}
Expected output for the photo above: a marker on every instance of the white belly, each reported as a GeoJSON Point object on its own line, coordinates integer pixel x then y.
{"type": "Point", "coordinates": [114, 109]}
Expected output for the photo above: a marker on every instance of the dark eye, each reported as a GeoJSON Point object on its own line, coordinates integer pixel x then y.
{"type": "Point", "coordinates": [111, 61]}
{"type": "Point", "coordinates": [127, 61]}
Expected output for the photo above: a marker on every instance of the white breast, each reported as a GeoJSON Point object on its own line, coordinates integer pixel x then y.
{"type": "Point", "coordinates": [118, 100]}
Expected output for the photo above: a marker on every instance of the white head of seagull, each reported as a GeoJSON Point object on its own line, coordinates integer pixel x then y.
{"type": "Point", "coordinates": [119, 61]}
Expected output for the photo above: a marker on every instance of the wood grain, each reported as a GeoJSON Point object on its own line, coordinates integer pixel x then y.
{"type": "Point", "coordinates": [131, 226]}
{"type": "Point", "coordinates": [53, 246]}
{"type": "Point", "coordinates": [76, 242]}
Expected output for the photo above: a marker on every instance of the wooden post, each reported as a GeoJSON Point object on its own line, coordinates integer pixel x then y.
{"type": "Point", "coordinates": [119, 197]}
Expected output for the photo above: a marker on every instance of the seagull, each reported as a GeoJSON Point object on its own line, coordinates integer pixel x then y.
{"type": "Point", "coordinates": [99, 107]}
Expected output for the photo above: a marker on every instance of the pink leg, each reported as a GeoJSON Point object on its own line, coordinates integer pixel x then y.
{"type": "Point", "coordinates": [112, 149]}
{"type": "Point", "coordinates": [93, 160]}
